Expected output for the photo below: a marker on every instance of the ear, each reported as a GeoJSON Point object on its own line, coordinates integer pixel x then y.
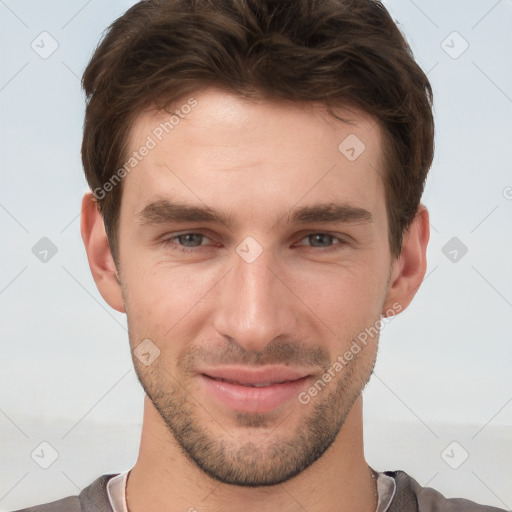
{"type": "Point", "coordinates": [408, 270]}
{"type": "Point", "coordinates": [100, 258]}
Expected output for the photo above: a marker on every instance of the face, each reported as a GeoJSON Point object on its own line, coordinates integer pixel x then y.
{"type": "Point", "coordinates": [253, 252]}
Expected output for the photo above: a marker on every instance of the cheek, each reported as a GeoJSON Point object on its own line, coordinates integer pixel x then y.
{"type": "Point", "coordinates": [161, 301]}
{"type": "Point", "coordinates": [345, 299]}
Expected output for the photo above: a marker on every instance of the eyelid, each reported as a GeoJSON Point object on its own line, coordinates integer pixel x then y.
{"type": "Point", "coordinates": [175, 234]}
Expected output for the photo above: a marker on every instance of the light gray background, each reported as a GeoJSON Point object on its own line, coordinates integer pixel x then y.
{"type": "Point", "coordinates": [443, 372]}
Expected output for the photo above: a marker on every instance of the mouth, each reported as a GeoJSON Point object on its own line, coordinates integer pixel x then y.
{"type": "Point", "coordinates": [255, 384]}
{"type": "Point", "coordinates": [253, 390]}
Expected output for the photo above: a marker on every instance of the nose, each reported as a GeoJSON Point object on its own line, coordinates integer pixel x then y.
{"type": "Point", "coordinates": [254, 303]}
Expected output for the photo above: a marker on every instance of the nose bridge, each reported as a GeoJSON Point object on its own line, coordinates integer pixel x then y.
{"type": "Point", "coordinates": [254, 306]}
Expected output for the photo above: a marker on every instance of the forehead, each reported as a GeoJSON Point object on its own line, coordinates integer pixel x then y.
{"type": "Point", "coordinates": [214, 147]}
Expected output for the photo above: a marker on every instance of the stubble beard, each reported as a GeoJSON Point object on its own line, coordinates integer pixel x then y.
{"type": "Point", "coordinates": [280, 455]}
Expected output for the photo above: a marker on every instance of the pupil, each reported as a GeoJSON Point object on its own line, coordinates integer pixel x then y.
{"type": "Point", "coordinates": [188, 238]}
{"type": "Point", "coordinates": [319, 237]}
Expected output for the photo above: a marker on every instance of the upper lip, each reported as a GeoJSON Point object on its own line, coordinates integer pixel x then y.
{"type": "Point", "coordinates": [244, 375]}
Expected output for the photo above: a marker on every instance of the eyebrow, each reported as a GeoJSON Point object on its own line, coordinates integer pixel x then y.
{"type": "Point", "coordinates": [164, 211]}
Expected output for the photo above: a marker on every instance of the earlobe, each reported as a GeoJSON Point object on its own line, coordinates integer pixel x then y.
{"type": "Point", "coordinates": [410, 267]}
{"type": "Point", "coordinates": [100, 258]}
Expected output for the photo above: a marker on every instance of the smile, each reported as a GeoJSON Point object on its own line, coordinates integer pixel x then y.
{"type": "Point", "coordinates": [252, 390]}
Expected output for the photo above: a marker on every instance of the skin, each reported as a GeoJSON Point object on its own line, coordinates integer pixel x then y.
{"type": "Point", "coordinates": [296, 304]}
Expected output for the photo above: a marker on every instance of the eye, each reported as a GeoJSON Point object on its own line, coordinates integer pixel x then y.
{"type": "Point", "coordinates": [321, 241]}
{"type": "Point", "coordinates": [190, 241]}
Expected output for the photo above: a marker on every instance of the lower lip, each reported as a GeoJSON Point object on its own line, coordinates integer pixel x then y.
{"type": "Point", "coordinates": [252, 399]}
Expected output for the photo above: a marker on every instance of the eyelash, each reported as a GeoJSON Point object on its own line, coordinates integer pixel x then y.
{"type": "Point", "coordinates": [168, 243]}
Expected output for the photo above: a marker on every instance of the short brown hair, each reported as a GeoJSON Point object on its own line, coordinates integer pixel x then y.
{"type": "Point", "coordinates": [336, 52]}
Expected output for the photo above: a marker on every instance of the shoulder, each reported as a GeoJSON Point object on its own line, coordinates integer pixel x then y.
{"type": "Point", "coordinates": [93, 498]}
{"type": "Point", "coordinates": [411, 496]}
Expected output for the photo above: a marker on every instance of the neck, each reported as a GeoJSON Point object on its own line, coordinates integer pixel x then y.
{"type": "Point", "coordinates": [164, 480]}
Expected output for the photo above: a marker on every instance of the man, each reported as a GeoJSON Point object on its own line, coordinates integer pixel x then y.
{"type": "Point", "coordinates": [256, 170]}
